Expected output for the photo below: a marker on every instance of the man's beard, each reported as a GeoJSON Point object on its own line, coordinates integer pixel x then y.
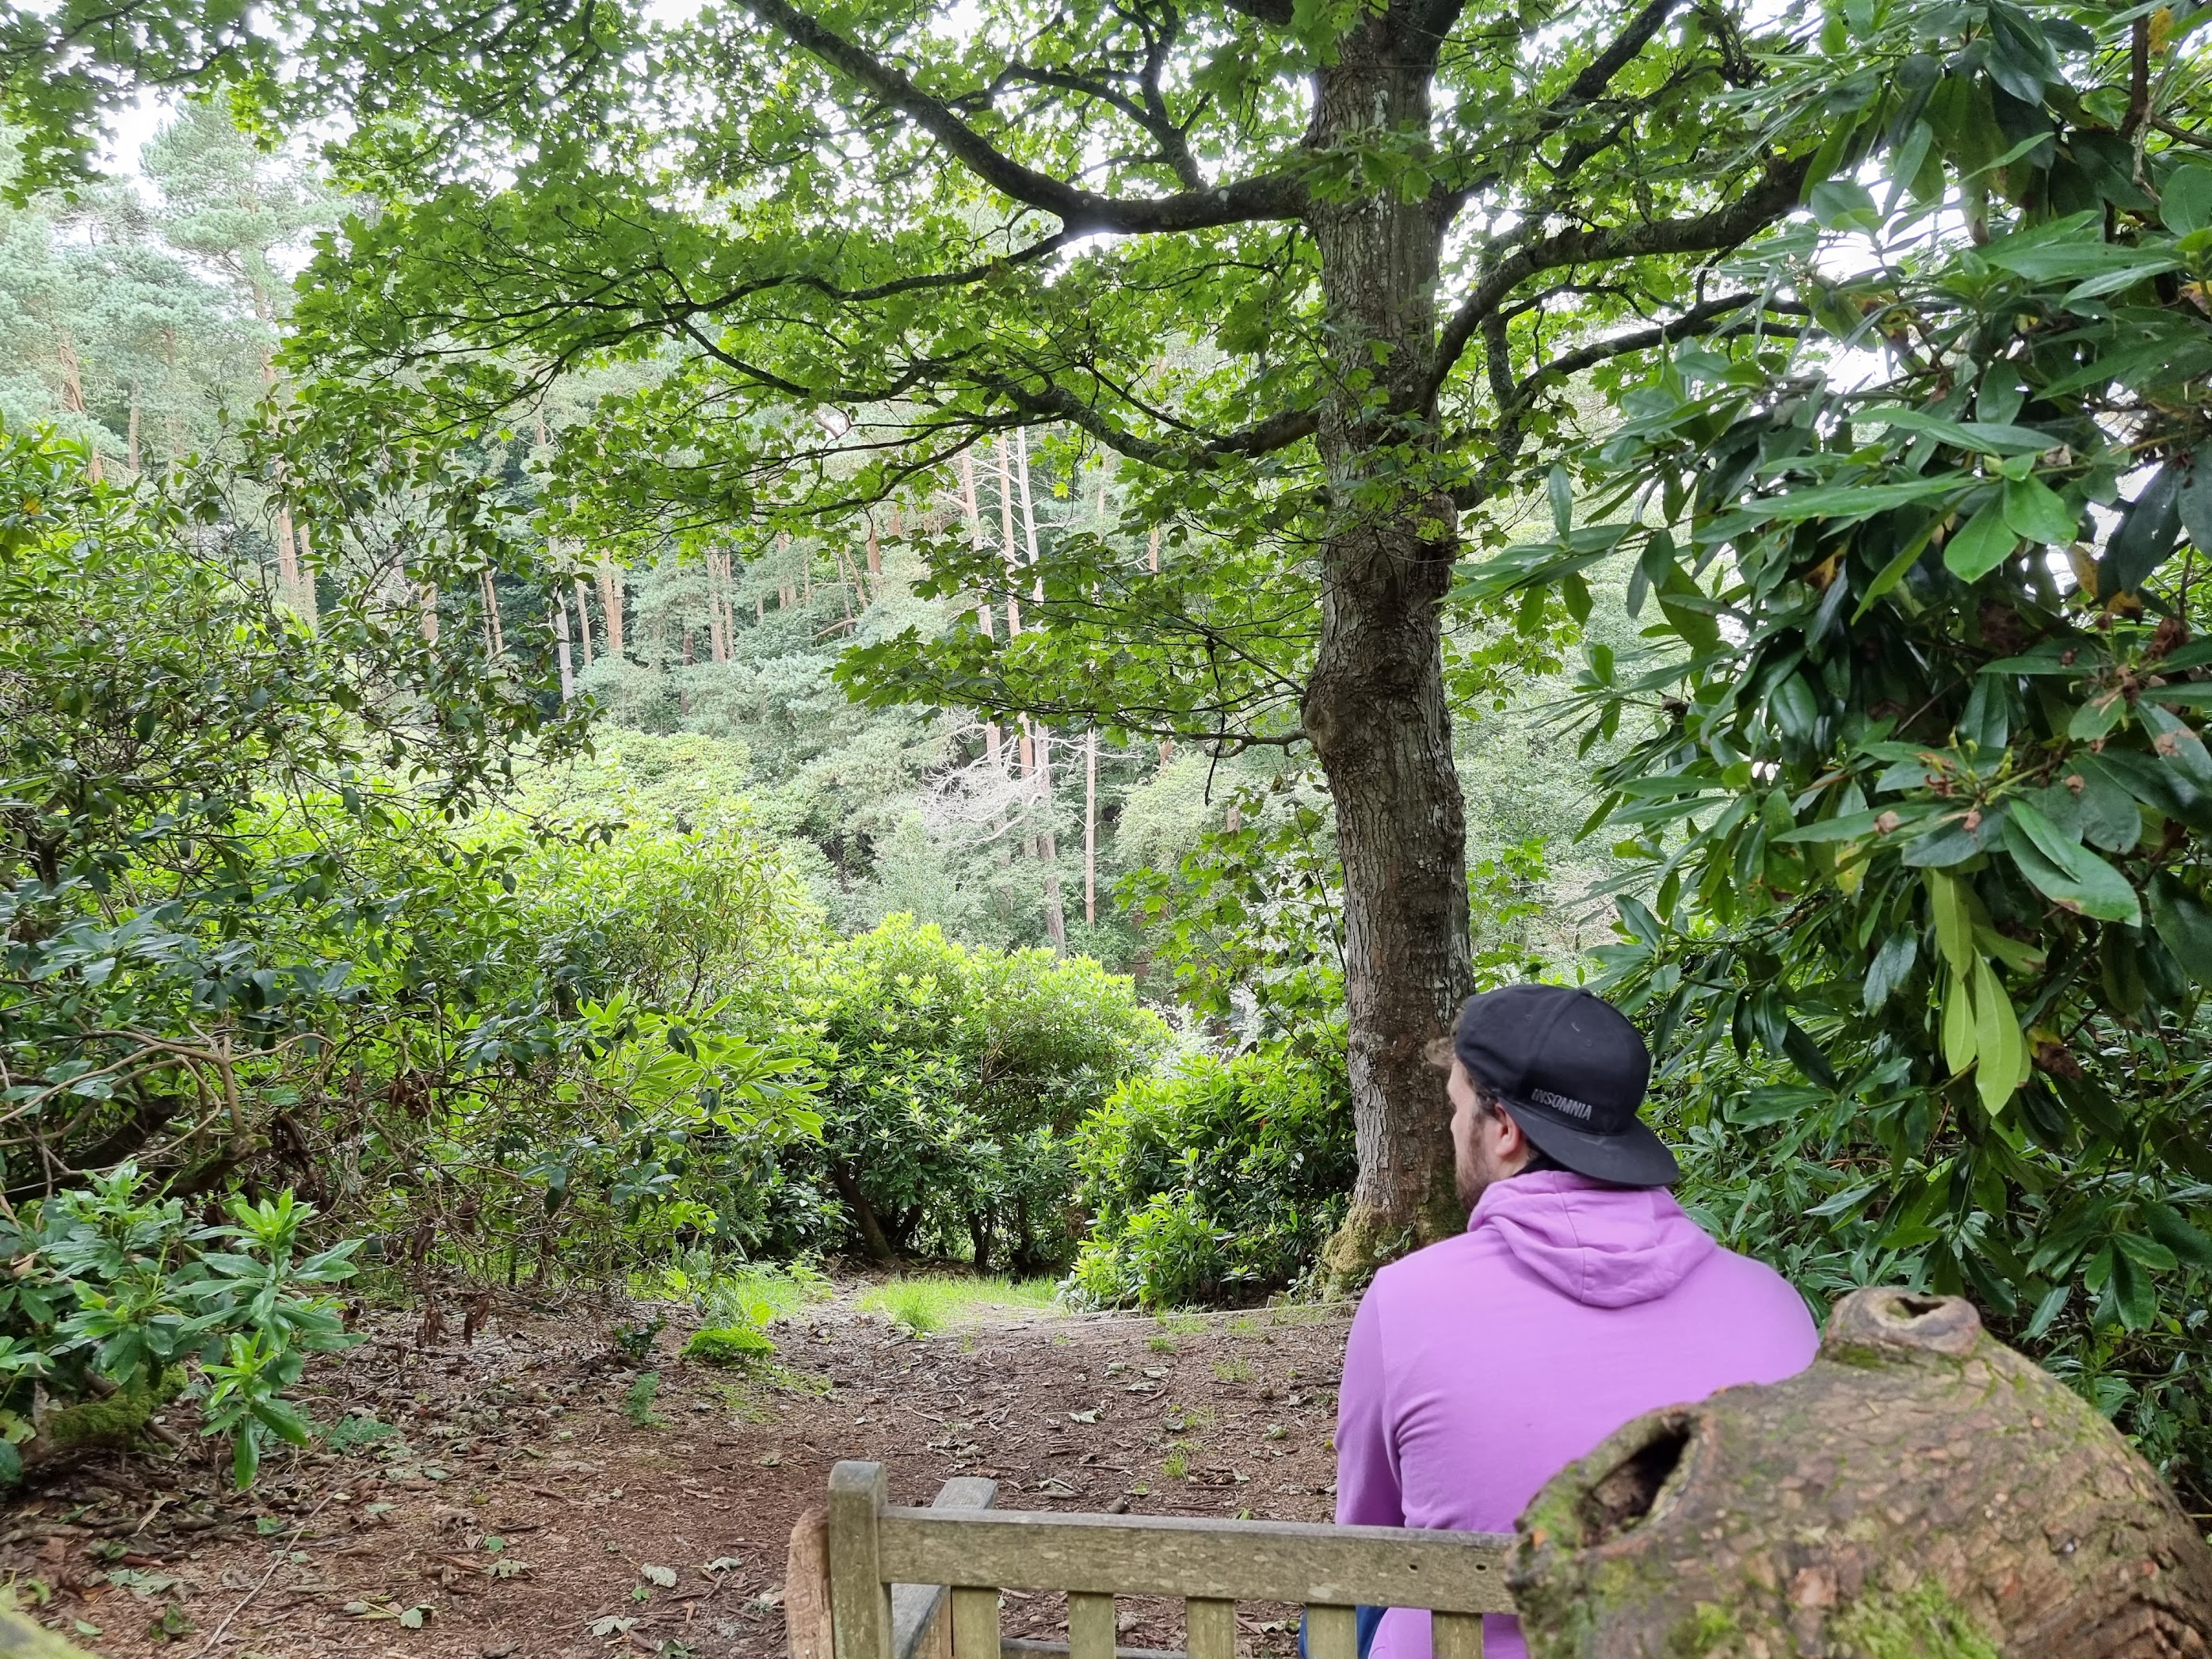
{"type": "Point", "coordinates": [1473, 1179]}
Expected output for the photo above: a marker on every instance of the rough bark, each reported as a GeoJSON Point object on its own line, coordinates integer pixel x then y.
{"type": "Point", "coordinates": [1375, 707]}
{"type": "Point", "coordinates": [1921, 1491]}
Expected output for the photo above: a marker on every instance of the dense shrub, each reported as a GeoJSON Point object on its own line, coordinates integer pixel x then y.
{"type": "Point", "coordinates": [1214, 1180]}
{"type": "Point", "coordinates": [950, 1079]}
{"type": "Point", "coordinates": [112, 1290]}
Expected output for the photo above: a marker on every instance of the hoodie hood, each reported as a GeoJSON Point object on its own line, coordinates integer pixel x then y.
{"type": "Point", "coordinates": [1606, 1247]}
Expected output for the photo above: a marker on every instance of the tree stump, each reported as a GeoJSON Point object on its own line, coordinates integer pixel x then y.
{"type": "Point", "coordinates": [1921, 1491]}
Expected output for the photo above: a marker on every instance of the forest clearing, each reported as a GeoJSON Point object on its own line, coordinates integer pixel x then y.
{"type": "Point", "coordinates": [1438, 775]}
{"type": "Point", "coordinates": [524, 1500]}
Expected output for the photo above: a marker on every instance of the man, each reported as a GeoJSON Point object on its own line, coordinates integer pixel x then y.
{"type": "Point", "coordinates": [1579, 1296]}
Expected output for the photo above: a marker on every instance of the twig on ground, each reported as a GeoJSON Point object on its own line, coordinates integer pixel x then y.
{"type": "Point", "coordinates": [283, 1552]}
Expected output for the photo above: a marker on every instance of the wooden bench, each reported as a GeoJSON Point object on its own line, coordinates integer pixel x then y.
{"type": "Point", "coordinates": [870, 1580]}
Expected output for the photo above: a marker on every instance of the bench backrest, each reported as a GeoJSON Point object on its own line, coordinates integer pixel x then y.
{"type": "Point", "coordinates": [924, 1584]}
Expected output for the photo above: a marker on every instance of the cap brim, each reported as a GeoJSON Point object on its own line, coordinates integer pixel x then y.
{"type": "Point", "coordinates": [1634, 1158]}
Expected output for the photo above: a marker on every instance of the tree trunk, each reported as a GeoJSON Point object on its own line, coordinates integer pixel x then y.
{"type": "Point", "coordinates": [1091, 817]}
{"type": "Point", "coordinates": [872, 1236]}
{"type": "Point", "coordinates": [1047, 839]}
{"type": "Point", "coordinates": [1922, 1490]}
{"type": "Point", "coordinates": [1374, 707]}
{"type": "Point", "coordinates": [584, 619]}
{"type": "Point", "coordinates": [560, 648]}
{"type": "Point", "coordinates": [969, 506]}
{"type": "Point", "coordinates": [611, 604]}
{"type": "Point", "coordinates": [73, 398]}
{"type": "Point", "coordinates": [307, 606]}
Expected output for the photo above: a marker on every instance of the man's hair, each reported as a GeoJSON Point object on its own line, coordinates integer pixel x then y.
{"type": "Point", "coordinates": [1485, 1105]}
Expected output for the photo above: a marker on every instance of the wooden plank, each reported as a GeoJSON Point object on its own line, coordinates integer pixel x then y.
{"type": "Point", "coordinates": [1091, 1626]}
{"type": "Point", "coordinates": [1179, 1555]}
{"type": "Point", "coordinates": [806, 1588]}
{"type": "Point", "coordinates": [1210, 1628]}
{"type": "Point", "coordinates": [921, 1623]}
{"type": "Point", "coordinates": [1023, 1647]}
{"type": "Point", "coordinates": [974, 1623]}
{"type": "Point", "coordinates": [859, 1596]}
{"type": "Point", "coordinates": [1331, 1632]}
{"type": "Point", "coordinates": [1457, 1635]}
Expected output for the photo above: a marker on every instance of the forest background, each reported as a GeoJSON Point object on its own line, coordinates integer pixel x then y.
{"type": "Point", "coordinates": [419, 808]}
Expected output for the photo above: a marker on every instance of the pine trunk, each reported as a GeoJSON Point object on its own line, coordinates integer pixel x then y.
{"type": "Point", "coordinates": [611, 604]}
{"type": "Point", "coordinates": [560, 648]}
{"type": "Point", "coordinates": [1921, 1490]}
{"type": "Point", "coordinates": [1374, 707]}
{"type": "Point", "coordinates": [1047, 840]}
{"type": "Point", "coordinates": [584, 619]}
{"type": "Point", "coordinates": [975, 516]}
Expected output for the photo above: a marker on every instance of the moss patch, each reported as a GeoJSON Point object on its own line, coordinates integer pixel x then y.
{"type": "Point", "coordinates": [1710, 1632]}
{"type": "Point", "coordinates": [1924, 1622]}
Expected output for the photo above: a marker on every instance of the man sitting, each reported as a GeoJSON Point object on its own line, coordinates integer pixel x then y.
{"type": "Point", "coordinates": [1579, 1296]}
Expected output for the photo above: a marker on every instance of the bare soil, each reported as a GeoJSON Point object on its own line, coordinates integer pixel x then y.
{"type": "Point", "coordinates": [515, 1508]}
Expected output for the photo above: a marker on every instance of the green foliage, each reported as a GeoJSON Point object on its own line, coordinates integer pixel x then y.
{"type": "Point", "coordinates": [950, 1079]}
{"type": "Point", "coordinates": [729, 1345]}
{"type": "Point", "coordinates": [114, 1288]}
{"type": "Point", "coordinates": [637, 1402]}
{"type": "Point", "coordinates": [1920, 821]}
{"type": "Point", "coordinates": [1213, 1180]}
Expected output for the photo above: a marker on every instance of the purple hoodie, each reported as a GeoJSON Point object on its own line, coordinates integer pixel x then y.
{"type": "Point", "coordinates": [1482, 1365]}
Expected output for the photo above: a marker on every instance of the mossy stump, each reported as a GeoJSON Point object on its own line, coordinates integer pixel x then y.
{"type": "Point", "coordinates": [1921, 1491]}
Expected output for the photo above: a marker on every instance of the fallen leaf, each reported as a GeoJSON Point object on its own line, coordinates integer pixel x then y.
{"type": "Point", "coordinates": [1090, 1415]}
{"type": "Point", "coordinates": [664, 1576]}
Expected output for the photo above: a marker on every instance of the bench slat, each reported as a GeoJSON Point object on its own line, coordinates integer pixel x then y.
{"type": "Point", "coordinates": [1180, 1555]}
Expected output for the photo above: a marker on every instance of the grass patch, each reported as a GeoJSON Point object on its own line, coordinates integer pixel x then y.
{"type": "Point", "coordinates": [1236, 1369]}
{"type": "Point", "coordinates": [923, 1305]}
{"type": "Point", "coordinates": [728, 1344]}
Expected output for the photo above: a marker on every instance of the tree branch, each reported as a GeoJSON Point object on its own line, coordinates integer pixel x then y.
{"type": "Point", "coordinates": [1768, 200]}
{"type": "Point", "coordinates": [1513, 398]}
{"type": "Point", "coordinates": [1269, 196]}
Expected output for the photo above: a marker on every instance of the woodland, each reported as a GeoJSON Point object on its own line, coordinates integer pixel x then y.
{"type": "Point", "coordinates": [641, 644]}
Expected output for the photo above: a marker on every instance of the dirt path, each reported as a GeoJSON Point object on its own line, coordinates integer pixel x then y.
{"type": "Point", "coordinates": [514, 1508]}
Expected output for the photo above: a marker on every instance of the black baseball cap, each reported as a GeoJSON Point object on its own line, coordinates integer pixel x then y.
{"type": "Point", "coordinates": [1572, 1071]}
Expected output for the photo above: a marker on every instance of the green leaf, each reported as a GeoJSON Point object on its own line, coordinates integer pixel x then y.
{"type": "Point", "coordinates": [2033, 509]}
{"type": "Point", "coordinates": [1983, 437]}
{"type": "Point", "coordinates": [1953, 918]}
{"type": "Point", "coordinates": [1843, 204]}
{"type": "Point", "coordinates": [2066, 872]}
{"type": "Point", "coordinates": [2184, 921]}
{"type": "Point", "coordinates": [1958, 1025]}
{"type": "Point", "coordinates": [2047, 1310]}
{"type": "Point", "coordinates": [1561, 489]}
{"type": "Point", "coordinates": [2168, 1226]}
{"type": "Point", "coordinates": [2000, 1053]}
{"type": "Point", "coordinates": [2184, 201]}
{"type": "Point", "coordinates": [2194, 499]}
{"type": "Point", "coordinates": [1891, 967]}
{"type": "Point", "coordinates": [2146, 536]}
{"type": "Point", "coordinates": [1985, 543]}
